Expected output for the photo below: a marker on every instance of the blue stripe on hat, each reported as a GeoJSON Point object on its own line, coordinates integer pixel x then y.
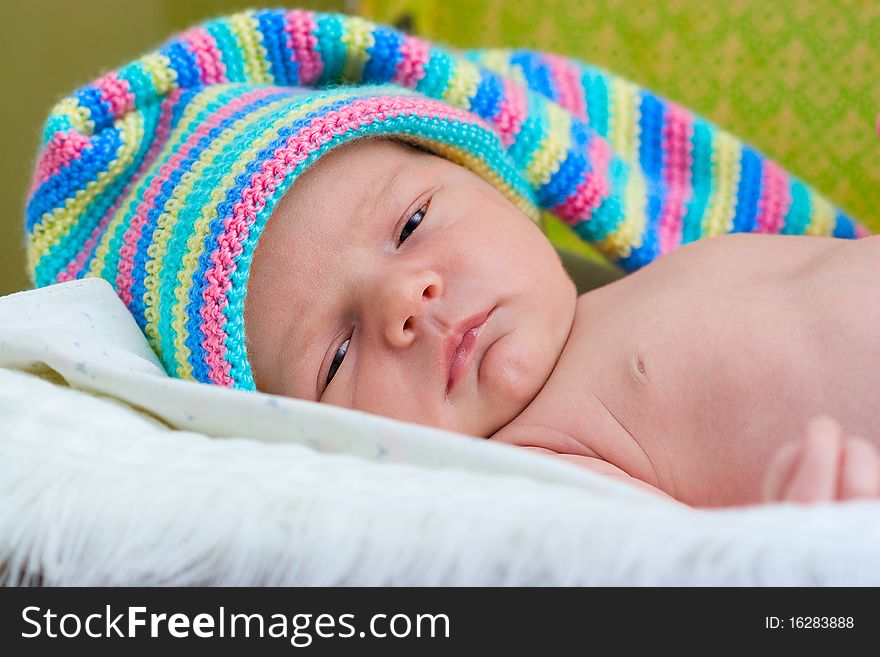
{"type": "Point", "coordinates": [487, 101]}
{"type": "Point", "coordinates": [384, 55]}
{"type": "Point", "coordinates": [749, 193]}
{"type": "Point", "coordinates": [282, 65]}
{"type": "Point", "coordinates": [94, 159]}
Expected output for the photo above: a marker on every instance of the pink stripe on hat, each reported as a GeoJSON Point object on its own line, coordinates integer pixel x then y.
{"type": "Point", "coordinates": [677, 164]}
{"type": "Point", "coordinates": [590, 193]}
{"type": "Point", "coordinates": [568, 84]}
{"type": "Point", "coordinates": [116, 92]}
{"type": "Point", "coordinates": [511, 112]}
{"type": "Point", "coordinates": [411, 67]}
{"type": "Point", "coordinates": [775, 199]}
{"type": "Point", "coordinates": [208, 58]}
{"type": "Point", "coordinates": [861, 231]}
{"type": "Point", "coordinates": [64, 148]}
{"type": "Point", "coordinates": [301, 40]}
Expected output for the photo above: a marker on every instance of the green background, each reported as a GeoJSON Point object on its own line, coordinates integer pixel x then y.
{"type": "Point", "coordinates": [798, 79]}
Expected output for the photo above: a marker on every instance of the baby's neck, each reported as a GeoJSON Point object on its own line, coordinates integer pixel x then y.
{"type": "Point", "coordinates": [572, 414]}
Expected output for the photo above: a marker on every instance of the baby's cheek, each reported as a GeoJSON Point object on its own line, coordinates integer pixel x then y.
{"type": "Point", "coordinates": [380, 397]}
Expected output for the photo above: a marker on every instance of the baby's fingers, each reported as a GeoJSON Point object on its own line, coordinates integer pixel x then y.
{"type": "Point", "coordinates": [814, 477]}
{"type": "Point", "coordinates": [859, 470]}
{"type": "Point", "coordinates": [779, 471]}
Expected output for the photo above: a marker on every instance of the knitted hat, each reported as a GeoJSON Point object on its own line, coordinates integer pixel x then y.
{"type": "Point", "coordinates": [160, 177]}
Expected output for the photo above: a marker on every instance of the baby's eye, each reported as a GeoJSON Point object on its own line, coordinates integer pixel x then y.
{"type": "Point", "coordinates": [413, 223]}
{"type": "Point", "coordinates": [337, 361]}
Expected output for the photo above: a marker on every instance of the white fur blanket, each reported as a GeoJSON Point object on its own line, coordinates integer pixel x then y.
{"type": "Point", "coordinates": [113, 473]}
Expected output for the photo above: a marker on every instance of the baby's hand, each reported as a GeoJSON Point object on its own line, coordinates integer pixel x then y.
{"type": "Point", "coordinates": [823, 467]}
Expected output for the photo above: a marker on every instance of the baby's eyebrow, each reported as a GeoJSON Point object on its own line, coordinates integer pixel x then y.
{"type": "Point", "coordinates": [383, 192]}
{"type": "Point", "coordinates": [290, 358]}
{"type": "Point", "coordinates": [294, 354]}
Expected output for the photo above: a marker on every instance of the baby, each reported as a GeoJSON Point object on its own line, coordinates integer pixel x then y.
{"type": "Point", "coordinates": [317, 206]}
{"type": "Point", "coordinates": [422, 294]}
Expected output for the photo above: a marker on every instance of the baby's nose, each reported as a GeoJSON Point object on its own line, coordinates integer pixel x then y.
{"type": "Point", "coordinates": [406, 303]}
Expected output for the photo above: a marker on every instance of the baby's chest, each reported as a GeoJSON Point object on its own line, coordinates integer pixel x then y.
{"type": "Point", "coordinates": [700, 385]}
{"type": "Point", "coordinates": [694, 393]}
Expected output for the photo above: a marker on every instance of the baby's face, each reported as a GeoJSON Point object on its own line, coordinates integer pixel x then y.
{"type": "Point", "coordinates": [371, 268]}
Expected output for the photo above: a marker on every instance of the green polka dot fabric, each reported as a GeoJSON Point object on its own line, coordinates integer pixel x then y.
{"type": "Point", "coordinates": [795, 78]}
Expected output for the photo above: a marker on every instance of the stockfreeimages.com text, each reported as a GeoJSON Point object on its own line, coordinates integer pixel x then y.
{"type": "Point", "coordinates": [299, 628]}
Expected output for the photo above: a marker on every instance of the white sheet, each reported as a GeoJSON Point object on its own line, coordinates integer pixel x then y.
{"type": "Point", "coordinates": [93, 491]}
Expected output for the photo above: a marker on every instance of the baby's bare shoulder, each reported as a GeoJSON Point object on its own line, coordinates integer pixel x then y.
{"type": "Point", "coordinates": [773, 257]}
{"type": "Point", "coordinates": [859, 253]}
{"type": "Point", "coordinates": [844, 276]}
{"type": "Point", "coordinates": [758, 246]}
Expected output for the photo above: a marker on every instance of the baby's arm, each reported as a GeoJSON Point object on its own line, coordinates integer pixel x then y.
{"type": "Point", "coordinates": [823, 467]}
{"type": "Point", "coordinates": [605, 468]}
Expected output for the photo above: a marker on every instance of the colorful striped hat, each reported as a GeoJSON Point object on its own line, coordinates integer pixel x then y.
{"type": "Point", "coordinates": [160, 176]}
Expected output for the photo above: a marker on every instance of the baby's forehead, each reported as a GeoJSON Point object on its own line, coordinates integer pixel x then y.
{"type": "Point", "coordinates": [362, 166]}
{"type": "Point", "coordinates": [355, 177]}
{"type": "Point", "coordinates": [344, 193]}
{"type": "Point", "coordinates": [374, 155]}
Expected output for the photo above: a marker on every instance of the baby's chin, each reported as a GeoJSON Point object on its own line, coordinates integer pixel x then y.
{"type": "Point", "coordinates": [510, 379]}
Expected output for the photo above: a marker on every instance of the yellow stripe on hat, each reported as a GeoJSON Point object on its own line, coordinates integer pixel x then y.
{"type": "Point", "coordinates": [620, 242]}
{"type": "Point", "coordinates": [824, 216]}
{"type": "Point", "coordinates": [622, 119]}
{"type": "Point", "coordinates": [358, 38]}
{"type": "Point", "coordinates": [546, 159]}
{"type": "Point", "coordinates": [79, 117]}
{"type": "Point", "coordinates": [163, 79]}
{"type": "Point", "coordinates": [726, 169]}
{"type": "Point", "coordinates": [498, 61]}
{"type": "Point", "coordinates": [244, 26]}
{"type": "Point", "coordinates": [158, 66]}
{"type": "Point", "coordinates": [462, 84]}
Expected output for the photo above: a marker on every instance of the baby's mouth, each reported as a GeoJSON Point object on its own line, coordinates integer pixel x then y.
{"type": "Point", "coordinates": [461, 345]}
